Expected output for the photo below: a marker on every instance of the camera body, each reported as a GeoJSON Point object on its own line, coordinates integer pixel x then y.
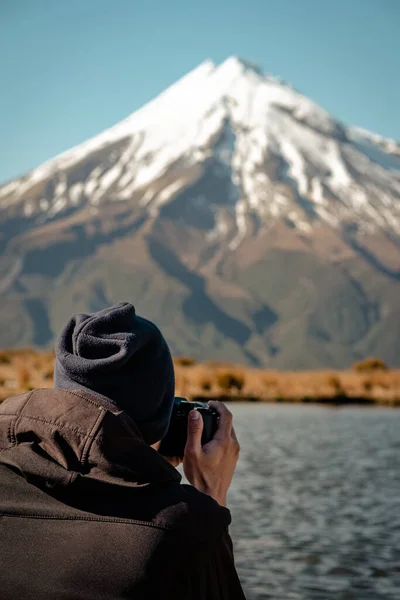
{"type": "Point", "coordinates": [173, 444]}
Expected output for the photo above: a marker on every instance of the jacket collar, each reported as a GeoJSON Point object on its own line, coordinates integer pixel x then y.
{"type": "Point", "coordinates": [55, 437]}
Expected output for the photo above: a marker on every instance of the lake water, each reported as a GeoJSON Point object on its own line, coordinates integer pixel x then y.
{"type": "Point", "coordinates": [316, 502]}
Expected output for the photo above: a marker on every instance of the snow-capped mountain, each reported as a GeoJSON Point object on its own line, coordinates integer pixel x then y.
{"type": "Point", "coordinates": [193, 195]}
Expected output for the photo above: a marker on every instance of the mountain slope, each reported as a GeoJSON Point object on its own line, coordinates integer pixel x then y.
{"type": "Point", "coordinates": [233, 210]}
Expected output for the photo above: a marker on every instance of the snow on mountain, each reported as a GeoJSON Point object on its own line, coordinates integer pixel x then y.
{"type": "Point", "coordinates": [234, 211]}
{"type": "Point", "coordinates": [282, 155]}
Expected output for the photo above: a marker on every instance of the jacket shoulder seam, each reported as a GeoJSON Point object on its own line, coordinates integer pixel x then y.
{"type": "Point", "coordinates": [53, 423]}
{"type": "Point", "coordinates": [85, 397]}
{"type": "Point", "coordinates": [79, 518]}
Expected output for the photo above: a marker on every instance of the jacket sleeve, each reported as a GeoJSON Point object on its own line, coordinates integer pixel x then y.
{"type": "Point", "coordinates": [216, 578]}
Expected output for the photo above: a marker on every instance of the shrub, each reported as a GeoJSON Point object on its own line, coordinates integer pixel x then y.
{"type": "Point", "coordinates": [370, 364]}
{"type": "Point", "coordinates": [205, 383]}
{"type": "Point", "coordinates": [334, 381]}
{"type": "Point", "coordinates": [5, 357]}
{"type": "Point", "coordinates": [185, 361]}
{"type": "Point", "coordinates": [229, 380]}
{"type": "Point", "coordinates": [367, 385]}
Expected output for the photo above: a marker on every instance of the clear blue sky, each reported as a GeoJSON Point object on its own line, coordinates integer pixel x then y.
{"type": "Point", "coordinates": [71, 68]}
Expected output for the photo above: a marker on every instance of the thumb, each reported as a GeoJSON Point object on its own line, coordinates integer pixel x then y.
{"type": "Point", "coordinates": [195, 430]}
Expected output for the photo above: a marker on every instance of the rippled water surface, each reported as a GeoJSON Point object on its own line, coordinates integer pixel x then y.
{"type": "Point", "coordinates": [316, 502]}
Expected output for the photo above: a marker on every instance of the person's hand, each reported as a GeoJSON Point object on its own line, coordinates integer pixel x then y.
{"type": "Point", "coordinates": [210, 468]}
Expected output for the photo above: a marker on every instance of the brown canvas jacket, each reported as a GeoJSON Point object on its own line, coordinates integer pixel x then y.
{"type": "Point", "coordinates": [88, 511]}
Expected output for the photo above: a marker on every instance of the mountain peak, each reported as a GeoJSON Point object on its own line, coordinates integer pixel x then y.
{"type": "Point", "coordinates": [240, 65]}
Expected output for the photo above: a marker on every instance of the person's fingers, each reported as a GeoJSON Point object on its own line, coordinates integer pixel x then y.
{"type": "Point", "coordinates": [236, 444]}
{"type": "Point", "coordinates": [224, 430]}
{"type": "Point", "coordinates": [233, 434]}
{"type": "Point", "coordinates": [194, 433]}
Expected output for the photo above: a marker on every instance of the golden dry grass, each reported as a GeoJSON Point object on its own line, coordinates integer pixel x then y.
{"type": "Point", "coordinates": [25, 369]}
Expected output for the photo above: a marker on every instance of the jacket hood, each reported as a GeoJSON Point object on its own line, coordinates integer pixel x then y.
{"type": "Point", "coordinates": [55, 437]}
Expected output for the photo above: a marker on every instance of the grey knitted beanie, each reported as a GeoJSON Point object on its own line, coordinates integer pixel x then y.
{"type": "Point", "coordinates": [125, 358]}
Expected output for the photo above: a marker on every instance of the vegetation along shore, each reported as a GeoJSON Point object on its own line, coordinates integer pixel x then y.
{"type": "Point", "coordinates": [368, 382]}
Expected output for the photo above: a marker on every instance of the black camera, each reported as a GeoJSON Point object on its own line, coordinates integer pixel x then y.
{"type": "Point", "coordinates": [173, 444]}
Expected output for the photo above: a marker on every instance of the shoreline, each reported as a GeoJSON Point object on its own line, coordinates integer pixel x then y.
{"type": "Point", "coordinates": [364, 402]}
{"type": "Point", "coordinates": [367, 383]}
